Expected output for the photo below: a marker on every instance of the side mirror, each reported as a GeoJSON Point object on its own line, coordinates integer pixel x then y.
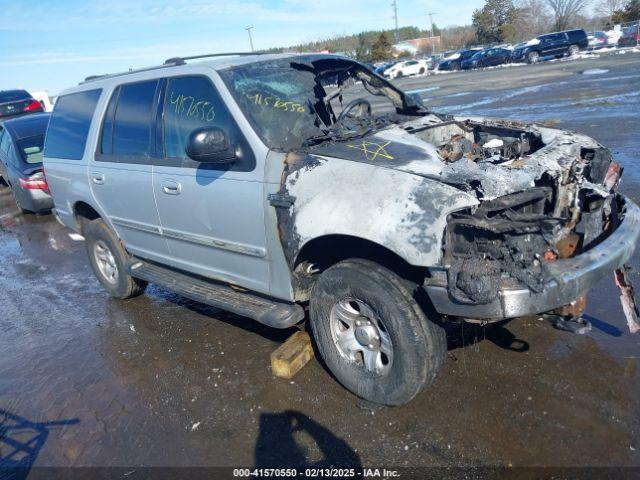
{"type": "Point", "coordinates": [210, 145]}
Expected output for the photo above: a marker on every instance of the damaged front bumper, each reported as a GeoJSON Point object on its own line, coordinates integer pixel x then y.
{"type": "Point", "coordinates": [570, 278]}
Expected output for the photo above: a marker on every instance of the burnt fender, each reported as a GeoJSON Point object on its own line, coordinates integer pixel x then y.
{"type": "Point", "coordinates": [403, 212]}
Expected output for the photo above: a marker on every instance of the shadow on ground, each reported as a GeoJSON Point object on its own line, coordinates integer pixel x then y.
{"type": "Point", "coordinates": [291, 439]}
{"type": "Point", "coordinates": [21, 441]}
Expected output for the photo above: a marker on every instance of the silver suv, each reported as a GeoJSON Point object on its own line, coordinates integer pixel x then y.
{"type": "Point", "coordinates": [269, 184]}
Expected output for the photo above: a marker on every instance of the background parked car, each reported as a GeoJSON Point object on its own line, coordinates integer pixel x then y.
{"type": "Point", "coordinates": [598, 40]}
{"type": "Point", "coordinates": [405, 69]}
{"type": "Point", "coordinates": [556, 44]}
{"type": "Point", "coordinates": [434, 60]}
{"type": "Point", "coordinates": [454, 61]}
{"type": "Point", "coordinates": [18, 102]}
{"type": "Point", "coordinates": [630, 37]}
{"type": "Point", "coordinates": [381, 68]}
{"type": "Point", "coordinates": [21, 146]}
{"type": "Point", "coordinates": [488, 57]}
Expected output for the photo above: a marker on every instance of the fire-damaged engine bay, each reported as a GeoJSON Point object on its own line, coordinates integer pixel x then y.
{"type": "Point", "coordinates": [508, 240]}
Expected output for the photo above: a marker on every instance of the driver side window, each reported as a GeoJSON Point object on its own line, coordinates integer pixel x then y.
{"type": "Point", "coordinates": [190, 102]}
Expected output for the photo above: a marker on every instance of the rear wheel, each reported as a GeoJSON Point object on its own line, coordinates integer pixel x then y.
{"type": "Point", "coordinates": [372, 334]}
{"type": "Point", "coordinates": [108, 259]}
{"type": "Point", "coordinates": [455, 66]}
{"type": "Point", "coordinates": [422, 70]}
{"type": "Point", "coordinates": [573, 50]}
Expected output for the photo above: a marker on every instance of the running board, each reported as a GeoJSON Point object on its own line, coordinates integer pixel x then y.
{"type": "Point", "coordinates": [269, 312]}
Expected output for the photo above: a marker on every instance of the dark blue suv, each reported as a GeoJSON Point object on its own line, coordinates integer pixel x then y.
{"type": "Point", "coordinates": [557, 44]}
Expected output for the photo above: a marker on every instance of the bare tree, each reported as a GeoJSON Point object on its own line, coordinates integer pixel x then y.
{"type": "Point", "coordinates": [607, 8]}
{"type": "Point", "coordinates": [532, 18]}
{"type": "Point", "coordinates": [565, 11]}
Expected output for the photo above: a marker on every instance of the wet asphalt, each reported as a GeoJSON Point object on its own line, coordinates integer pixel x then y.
{"type": "Point", "coordinates": [162, 381]}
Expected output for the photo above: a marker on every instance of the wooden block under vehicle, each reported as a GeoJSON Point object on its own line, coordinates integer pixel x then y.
{"type": "Point", "coordinates": [289, 358]}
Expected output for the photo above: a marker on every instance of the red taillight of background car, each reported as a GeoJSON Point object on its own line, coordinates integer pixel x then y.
{"type": "Point", "coordinates": [33, 106]}
{"type": "Point", "coordinates": [34, 182]}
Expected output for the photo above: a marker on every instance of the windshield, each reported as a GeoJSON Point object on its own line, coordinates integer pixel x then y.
{"type": "Point", "coordinates": [31, 148]}
{"type": "Point", "coordinates": [294, 100]}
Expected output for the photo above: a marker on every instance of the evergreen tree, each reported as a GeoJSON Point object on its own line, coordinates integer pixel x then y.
{"type": "Point", "coordinates": [494, 21]}
{"type": "Point", "coordinates": [381, 48]}
{"type": "Point", "coordinates": [632, 11]}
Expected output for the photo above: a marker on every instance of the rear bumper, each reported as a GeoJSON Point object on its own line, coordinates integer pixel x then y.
{"type": "Point", "coordinates": [573, 277]}
{"type": "Point", "coordinates": [37, 201]}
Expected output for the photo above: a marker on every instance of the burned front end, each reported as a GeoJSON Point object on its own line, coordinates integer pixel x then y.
{"type": "Point", "coordinates": [549, 224]}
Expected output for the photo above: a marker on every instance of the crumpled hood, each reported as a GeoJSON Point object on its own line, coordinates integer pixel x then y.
{"type": "Point", "coordinates": [402, 148]}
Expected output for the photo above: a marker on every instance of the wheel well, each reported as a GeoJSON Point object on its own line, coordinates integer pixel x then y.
{"type": "Point", "coordinates": [323, 252]}
{"type": "Point", "coordinates": [82, 212]}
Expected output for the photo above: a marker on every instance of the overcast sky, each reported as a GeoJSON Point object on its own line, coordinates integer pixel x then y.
{"type": "Point", "coordinates": [53, 44]}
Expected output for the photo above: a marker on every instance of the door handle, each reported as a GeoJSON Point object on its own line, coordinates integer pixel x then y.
{"type": "Point", "coordinates": [97, 178]}
{"type": "Point", "coordinates": [171, 188]}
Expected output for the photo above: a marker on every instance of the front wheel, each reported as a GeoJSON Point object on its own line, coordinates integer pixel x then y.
{"type": "Point", "coordinates": [108, 259]}
{"type": "Point", "coordinates": [372, 334]}
{"type": "Point", "coordinates": [533, 57]}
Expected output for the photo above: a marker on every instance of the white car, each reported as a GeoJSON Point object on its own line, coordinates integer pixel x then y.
{"type": "Point", "coordinates": [404, 69]}
{"type": "Point", "coordinates": [601, 39]}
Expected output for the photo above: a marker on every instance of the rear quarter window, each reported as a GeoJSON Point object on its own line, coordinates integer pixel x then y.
{"type": "Point", "coordinates": [69, 125]}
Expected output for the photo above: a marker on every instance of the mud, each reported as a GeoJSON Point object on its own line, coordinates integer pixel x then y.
{"type": "Point", "coordinates": [160, 380]}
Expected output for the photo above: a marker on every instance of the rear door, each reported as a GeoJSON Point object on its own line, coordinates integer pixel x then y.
{"type": "Point", "coordinates": [120, 174]}
{"type": "Point", "coordinates": [212, 215]}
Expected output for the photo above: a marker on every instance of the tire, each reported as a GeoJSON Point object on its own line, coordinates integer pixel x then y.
{"type": "Point", "coordinates": [399, 75]}
{"type": "Point", "coordinates": [533, 57]}
{"type": "Point", "coordinates": [417, 345]}
{"type": "Point", "coordinates": [421, 71]}
{"type": "Point", "coordinates": [573, 50]}
{"type": "Point", "coordinates": [455, 66]}
{"type": "Point", "coordinates": [106, 255]}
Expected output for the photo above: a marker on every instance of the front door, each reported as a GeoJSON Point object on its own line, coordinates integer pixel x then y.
{"type": "Point", "coordinates": [211, 215]}
{"type": "Point", "coordinates": [120, 175]}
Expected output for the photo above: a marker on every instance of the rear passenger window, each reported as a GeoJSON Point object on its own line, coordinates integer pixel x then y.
{"type": "Point", "coordinates": [106, 137]}
{"type": "Point", "coordinates": [190, 103]}
{"type": "Point", "coordinates": [133, 119]}
{"type": "Point", "coordinates": [69, 124]}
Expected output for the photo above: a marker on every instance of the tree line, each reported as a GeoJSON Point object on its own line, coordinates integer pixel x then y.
{"type": "Point", "coordinates": [508, 21]}
{"type": "Point", "coordinates": [498, 21]}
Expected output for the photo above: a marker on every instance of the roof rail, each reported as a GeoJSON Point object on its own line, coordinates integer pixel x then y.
{"type": "Point", "coordinates": [182, 60]}
{"type": "Point", "coordinates": [138, 70]}
{"type": "Point", "coordinates": [171, 62]}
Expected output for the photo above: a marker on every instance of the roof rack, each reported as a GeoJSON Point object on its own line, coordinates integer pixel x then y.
{"type": "Point", "coordinates": [171, 62]}
{"type": "Point", "coordinates": [182, 60]}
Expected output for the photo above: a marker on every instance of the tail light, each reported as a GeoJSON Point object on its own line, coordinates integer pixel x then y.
{"type": "Point", "coordinates": [35, 182]}
{"type": "Point", "coordinates": [33, 106]}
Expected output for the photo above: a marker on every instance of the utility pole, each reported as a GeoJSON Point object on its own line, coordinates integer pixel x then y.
{"type": "Point", "coordinates": [431, 14]}
{"type": "Point", "coordinates": [395, 18]}
{"type": "Point", "coordinates": [433, 47]}
{"type": "Point", "coordinates": [248, 29]}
